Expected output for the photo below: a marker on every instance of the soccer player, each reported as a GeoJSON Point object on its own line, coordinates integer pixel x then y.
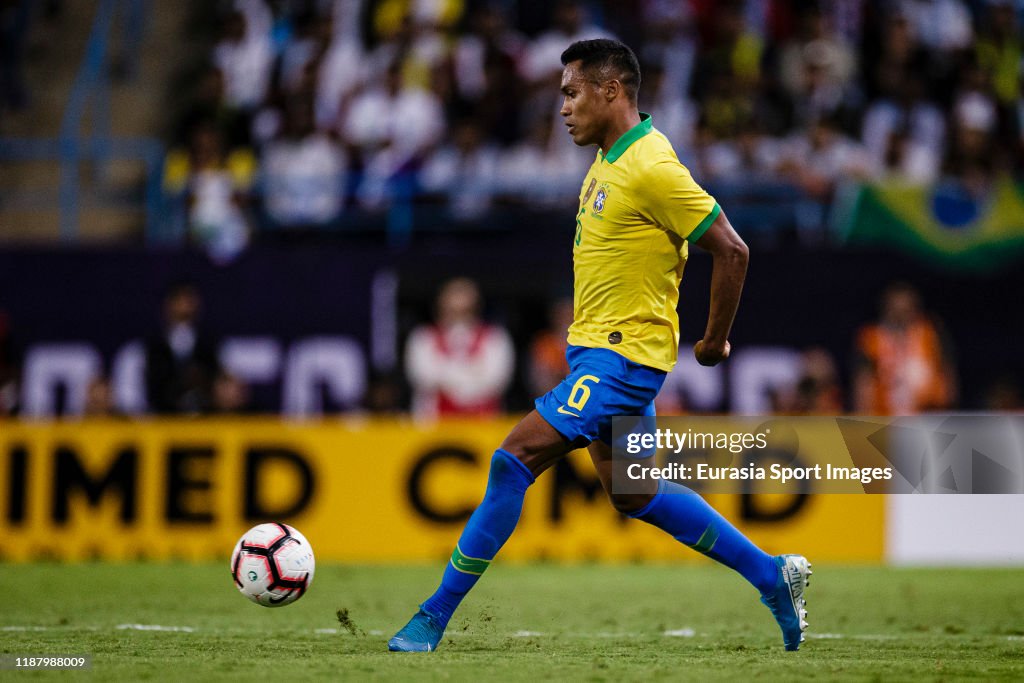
{"type": "Point", "coordinates": [639, 210]}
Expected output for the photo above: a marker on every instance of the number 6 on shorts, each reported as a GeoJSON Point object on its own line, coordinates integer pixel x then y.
{"type": "Point", "coordinates": [581, 392]}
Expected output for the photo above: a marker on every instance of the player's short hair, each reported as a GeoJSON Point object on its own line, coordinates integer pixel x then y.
{"type": "Point", "coordinates": [606, 59]}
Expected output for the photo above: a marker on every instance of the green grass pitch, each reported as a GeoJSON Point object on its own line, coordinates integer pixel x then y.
{"type": "Point", "coordinates": [522, 623]}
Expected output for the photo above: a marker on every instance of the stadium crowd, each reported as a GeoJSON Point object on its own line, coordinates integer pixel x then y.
{"type": "Point", "coordinates": [306, 111]}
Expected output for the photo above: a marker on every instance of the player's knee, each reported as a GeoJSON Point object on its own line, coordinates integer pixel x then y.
{"type": "Point", "coordinates": [628, 503]}
{"type": "Point", "coordinates": [535, 443]}
{"type": "Point", "coordinates": [517, 449]}
{"type": "Point", "coordinates": [502, 466]}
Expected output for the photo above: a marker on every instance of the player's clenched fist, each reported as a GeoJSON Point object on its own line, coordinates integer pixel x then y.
{"type": "Point", "coordinates": [711, 354]}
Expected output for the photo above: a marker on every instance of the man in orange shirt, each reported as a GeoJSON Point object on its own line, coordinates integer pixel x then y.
{"type": "Point", "coordinates": [903, 367]}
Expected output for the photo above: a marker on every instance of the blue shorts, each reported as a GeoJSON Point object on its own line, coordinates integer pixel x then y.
{"type": "Point", "coordinates": [601, 385]}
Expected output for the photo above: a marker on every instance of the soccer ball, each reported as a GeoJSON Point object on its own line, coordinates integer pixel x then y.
{"type": "Point", "coordinates": [272, 564]}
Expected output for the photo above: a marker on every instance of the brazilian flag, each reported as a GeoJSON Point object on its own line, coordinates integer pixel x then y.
{"type": "Point", "coordinates": [945, 223]}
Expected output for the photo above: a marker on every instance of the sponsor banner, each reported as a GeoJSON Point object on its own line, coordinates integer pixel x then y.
{"type": "Point", "coordinates": [982, 454]}
{"type": "Point", "coordinates": [946, 223]}
{"type": "Point", "coordinates": [361, 491]}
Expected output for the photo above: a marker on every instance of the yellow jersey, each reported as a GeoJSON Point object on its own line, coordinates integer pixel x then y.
{"type": "Point", "coordinates": [639, 206]}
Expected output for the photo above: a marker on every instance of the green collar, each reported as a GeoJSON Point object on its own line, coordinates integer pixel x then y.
{"type": "Point", "coordinates": [628, 138]}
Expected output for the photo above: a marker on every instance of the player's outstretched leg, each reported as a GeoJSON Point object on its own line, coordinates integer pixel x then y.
{"type": "Point", "coordinates": [486, 531]}
{"type": "Point", "coordinates": [781, 580]}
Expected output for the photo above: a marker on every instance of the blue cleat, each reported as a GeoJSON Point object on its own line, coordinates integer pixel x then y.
{"type": "Point", "coordinates": [421, 634]}
{"type": "Point", "coordinates": [786, 600]}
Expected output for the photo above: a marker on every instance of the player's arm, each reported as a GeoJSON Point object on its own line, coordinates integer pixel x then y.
{"type": "Point", "coordinates": [729, 256]}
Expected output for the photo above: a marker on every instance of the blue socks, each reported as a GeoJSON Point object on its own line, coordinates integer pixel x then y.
{"type": "Point", "coordinates": [486, 531]}
{"type": "Point", "coordinates": [690, 520]}
{"type": "Point", "coordinates": [675, 509]}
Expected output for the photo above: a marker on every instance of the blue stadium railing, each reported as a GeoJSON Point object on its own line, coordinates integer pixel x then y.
{"type": "Point", "coordinates": [90, 94]}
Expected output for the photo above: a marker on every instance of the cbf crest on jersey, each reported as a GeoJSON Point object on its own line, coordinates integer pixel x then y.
{"type": "Point", "coordinates": [599, 199]}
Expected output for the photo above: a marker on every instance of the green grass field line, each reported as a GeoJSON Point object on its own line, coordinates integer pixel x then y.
{"type": "Point", "coordinates": [523, 623]}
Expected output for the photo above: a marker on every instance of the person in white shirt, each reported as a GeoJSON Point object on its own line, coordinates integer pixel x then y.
{"type": "Point", "coordinates": [304, 172]}
{"type": "Point", "coordinates": [460, 365]}
{"type": "Point", "coordinates": [245, 57]}
{"type": "Point", "coordinates": [393, 126]}
{"type": "Point", "coordinates": [465, 172]}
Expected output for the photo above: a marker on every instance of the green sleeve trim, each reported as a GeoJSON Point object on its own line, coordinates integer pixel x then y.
{"type": "Point", "coordinates": [702, 228]}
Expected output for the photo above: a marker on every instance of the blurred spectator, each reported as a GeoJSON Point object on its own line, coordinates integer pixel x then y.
{"type": "Point", "coordinates": [817, 67]}
{"type": "Point", "coordinates": [540, 171]}
{"type": "Point", "coordinates": [669, 48]}
{"type": "Point", "coordinates": [1004, 395]}
{"type": "Point", "coordinates": [941, 25]}
{"type": "Point", "coordinates": [416, 30]}
{"type": "Point", "coordinates": [691, 388]}
{"type": "Point", "coordinates": [208, 106]}
{"type": "Point", "coordinates": [847, 18]}
{"type": "Point", "coordinates": [488, 43]}
{"type": "Point", "coordinates": [818, 46]}
{"type": "Point", "coordinates": [341, 71]}
{"type": "Point", "coordinates": [259, 19]}
{"type": "Point", "coordinates": [485, 68]}
{"type": "Point", "coordinates": [900, 60]}
{"type": "Point", "coordinates": [245, 57]}
{"type": "Point", "coordinates": [726, 107]}
{"type": "Point", "coordinates": [999, 49]}
{"type": "Point", "coordinates": [392, 125]}
{"type": "Point", "coordinates": [230, 394]}
{"type": "Point", "coordinates": [214, 186]}
{"type": "Point", "coordinates": [541, 69]}
{"type": "Point", "coordinates": [464, 172]}
{"type": "Point", "coordinates": [384, 395]}
{"type": "Point", "coordinates": [99, 399]}
{"type": "Point", "coordinates": [672, 113]}
{"type": "Point", "coordinates": [1000, 55]}
{"type": "Point", "coordinates": [729, 65]}
{"type": "Point", "coordinates": [816, 163]}
{"type": "Point", "coordinates": [906, 161]}
{"type": "Point", "coordinates": [817, 390]}
{"type": "Point", "coordinates": [543, 62]}
{"type": "Point", "coordinates": [749, 157]}
{"type": "Point", "coordinates": [345, 17]}
{"type": "Point", "coordinates": [304, 172]}
{"type": "Point", "coordinates": [973, 157]}
{"type": "Point", "coordinates": [904, 134]}
{"type": "Point", "coordinates": [415, 42]}
{"type": "Point", "coordinates": [181, 361]}
{"type": "Point", "coordinates": [1017, 145]}
{"type": "Point", "coordinates": [548, 365]}
{"type": "Point", "coordinates": [303, 51]}
{"type": "Point", "coordinates": [8, 370]}
{"type": "Point", "coordinates": [745, 173]}
{"type": "Point", "coordinates": [460, 365]}
{"type": "Point", "coordinates": [15, 18]}
{"type": "Point", "coordinates": [903, 366]}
